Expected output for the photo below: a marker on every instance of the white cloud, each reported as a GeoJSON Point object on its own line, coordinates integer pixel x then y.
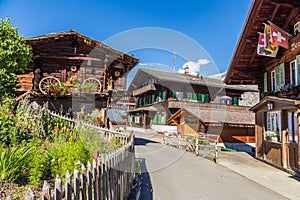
{"type": "Point", "coordinates": [194, 67]}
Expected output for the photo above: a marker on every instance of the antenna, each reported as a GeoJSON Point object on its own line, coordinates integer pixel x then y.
{"type": "Point", "coordinates": [174, 61]}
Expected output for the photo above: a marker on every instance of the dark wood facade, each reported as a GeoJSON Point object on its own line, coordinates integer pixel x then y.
{"type": "Point", "coordinates": [277, 114]}
{"type": "Point", "coordinates": [68, 55]}
{"type": "Point", "coordinates": [83, 69]}
{"type": "Point", "coordinates": [160, 94]}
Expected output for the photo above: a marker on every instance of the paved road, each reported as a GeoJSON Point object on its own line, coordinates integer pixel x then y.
{"type": "Point", "coordinates": [169, 173]}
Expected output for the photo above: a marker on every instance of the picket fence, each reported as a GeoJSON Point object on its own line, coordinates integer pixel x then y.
{"type": "Point", "coordinates": [109, 177]}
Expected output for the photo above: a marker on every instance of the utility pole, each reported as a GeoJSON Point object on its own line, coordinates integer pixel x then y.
{"type": "Point", "coordinates": [174, 61]}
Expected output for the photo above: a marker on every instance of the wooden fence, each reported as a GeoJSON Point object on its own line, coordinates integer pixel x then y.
{"type": "Point", "coordinates": [203, 147]}
{"type": "Point", "coordinates": [109, 177]}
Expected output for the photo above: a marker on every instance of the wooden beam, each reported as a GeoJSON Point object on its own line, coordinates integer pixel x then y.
{"type": "Point", "coordinates": [67, 57]}
{"type": "Point", "coordinates": [282, 4]}
{"type": "Point", "coordinates": [274, 12]}
{"type": "Point", "coordinates": [292, 14]}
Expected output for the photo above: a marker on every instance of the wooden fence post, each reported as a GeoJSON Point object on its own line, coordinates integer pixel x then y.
{"type": "Point", "coordinates": [83, 182]}
{"type": "Point", "coordinates": [68, 187]}
{"type": "Point", "coordinates": [99, 172]}
{"type": "Point", "coordinates": [90, 180]}
{"type": "Point", "coordinates": [29, 195]}
{"type": "Point", "coordinates": [76, 184]}
{"type": "Point", "coordinates": [58, 188]}
{"type": "Point", "coordinates": [95, 177]}
{"type": "Point", "coordinates": [46, 191]}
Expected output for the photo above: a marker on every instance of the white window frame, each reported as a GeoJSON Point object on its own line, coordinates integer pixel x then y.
{"type": "Point", "coordinates": [189, 96]}
{"type": "Point", "coordinates": [273, 80]}
{"type": "Point", "coordinates": [179, 95]}
{"type": "Point", "coordinates": [295, 71]}
{"type": "Point", "coordinates": [274, 123]}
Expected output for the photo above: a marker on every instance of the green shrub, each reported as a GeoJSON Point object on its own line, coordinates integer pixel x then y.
{"type": "Point", "coordinates": [65, 155]}
{"type": "Point", "coordinates": [7, 122]}
{"type": "Point", "coordinates": [40, 166]}
{"type": "Point", "coordinates": [94, 141]}
{"type": "Point", "coordinates": [14, 161]}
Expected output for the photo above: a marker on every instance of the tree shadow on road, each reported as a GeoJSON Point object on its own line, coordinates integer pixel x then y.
{"type": "Point", "coordinates": [146, 185]}
{"type": "Point", "coordinates": [297, 178]}
{"type": "Point", "coordinates": [142, 141]}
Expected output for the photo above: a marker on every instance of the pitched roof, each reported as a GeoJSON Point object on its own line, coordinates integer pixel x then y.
{"type": "Point", "coordinates": [191, 79]}
{"type": "Point", "coordinates": [211, 115]}
{"type": "Point", "coordinates": [87, 40]}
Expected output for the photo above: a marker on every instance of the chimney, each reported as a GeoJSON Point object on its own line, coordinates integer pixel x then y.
{"type": "Point", "coordinates": [186, 69]}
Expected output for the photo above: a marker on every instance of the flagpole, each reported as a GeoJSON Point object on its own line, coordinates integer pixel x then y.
{"type": "Point", "coordinates": [280, 28]}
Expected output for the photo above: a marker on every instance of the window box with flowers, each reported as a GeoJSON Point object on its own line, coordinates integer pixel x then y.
{"type": "Point", "coordinates": [58, 90]}
{"type": "Point", "coordinates": [271, 136]}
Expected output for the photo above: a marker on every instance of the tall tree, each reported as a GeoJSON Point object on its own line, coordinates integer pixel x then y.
{"type": "Point", "coordinates": [15, 56]}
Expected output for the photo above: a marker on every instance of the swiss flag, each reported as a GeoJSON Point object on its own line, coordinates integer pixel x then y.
{"type": "Point", "coordinates": [279, 37]}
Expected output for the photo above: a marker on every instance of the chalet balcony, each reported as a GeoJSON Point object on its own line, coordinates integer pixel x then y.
{"type": "Point", "coordinates": [144, 89]}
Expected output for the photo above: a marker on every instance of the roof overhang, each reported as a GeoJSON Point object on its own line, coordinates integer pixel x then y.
{"type": "Point", "coordinates": [246, 66]}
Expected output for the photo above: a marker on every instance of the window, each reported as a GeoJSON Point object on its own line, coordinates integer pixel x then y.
{"type": "Point", "coordinates": [179, 95]}
{"type": "Point", "coordinates": [273, 81]}
{"type": "Point", "coordinates": [137, 120]}
{"type": "Point", "coordinates": [293, 127]}
{"type": "Point", "coordinates": [274, 126]}
{"type": "Point", "coordinates": [293, 73]}
{"type": "Point", "coordinates": [189, 96]}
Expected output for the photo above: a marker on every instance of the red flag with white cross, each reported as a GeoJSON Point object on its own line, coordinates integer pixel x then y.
{"type": "Point", "coordinates": [279, 37]}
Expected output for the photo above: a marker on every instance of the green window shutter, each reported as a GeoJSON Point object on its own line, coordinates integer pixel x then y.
{"type": "Point", "coordinates": [155, 118]}
{"type": "Point", "coordinates": [195, 96]}
{"type": "Point", "coordinates": [277, 75]}
{"type": "Point", "coordinates": [149, 99]}
{"type": "Point", "coordinates": [165, 118]}
{"type": "Point", "coordinates": [174, 94]}
{"type": "Point", "coordinates": [235, 102]}
{"type": "Point", "coordinates": [298, 69]}
{"type": "Point", "coordinates": [158, 118]}
{"type": "Point", "coordinates": [282, 75]}
{"type": "Point", "coordinates": [199, 97]}
{"type": "Point", "coordinates": [165, 95]}
{"type": "Point", "coordinates": [206, 98]}
{"type": "Point", "coordinates": [265, 81]}
{"type": "Point", "coordinates": [159, 97]}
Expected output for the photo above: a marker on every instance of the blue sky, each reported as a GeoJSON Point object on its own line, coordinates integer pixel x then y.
{"type": "Point", "coordinates": [214, 25]}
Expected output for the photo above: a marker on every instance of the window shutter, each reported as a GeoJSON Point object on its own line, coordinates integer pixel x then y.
{"type": "Point", "coordinates": [277, 75]}
{"type": "Point", "coordinates": [298, 69]}
{"type": "Point", "coordinates": [199, 97]}
{"type": "Point", "coordinates": [174, 94]}
{"type": "Point", "coordinates": [282, 75]}
{"type": "Point", "coordinates": [206, 98]}
{"type": "Point", "coordinates": [165, 95]}
{"type": "Point", "coordinates": [265, 81]}
{"type": "Point", "coordinates": [195, 96]}
{"type": "Point", "coordinates": [158, 119]}
{"type": "Point", "coordinates": [235, 102]}
{"type": "Point", "coordinates": [155, 118]}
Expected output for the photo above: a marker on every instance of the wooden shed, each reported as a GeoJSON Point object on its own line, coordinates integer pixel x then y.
{"type": "Point", "coordinates": [230, 125]}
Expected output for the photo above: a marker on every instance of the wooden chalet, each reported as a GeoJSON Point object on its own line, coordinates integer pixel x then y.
{"type": "Point", "coordinates": [62, 61]}
{"type": "Point", "coordinates": [231, 125]}
{"type": "Point", "coordinates": [160, 94]}
{"type": "Point", "coordinates": [278, 79]}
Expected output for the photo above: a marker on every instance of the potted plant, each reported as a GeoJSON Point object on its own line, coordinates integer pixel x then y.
{"type": "Point", "coordinates": [271, 136]}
